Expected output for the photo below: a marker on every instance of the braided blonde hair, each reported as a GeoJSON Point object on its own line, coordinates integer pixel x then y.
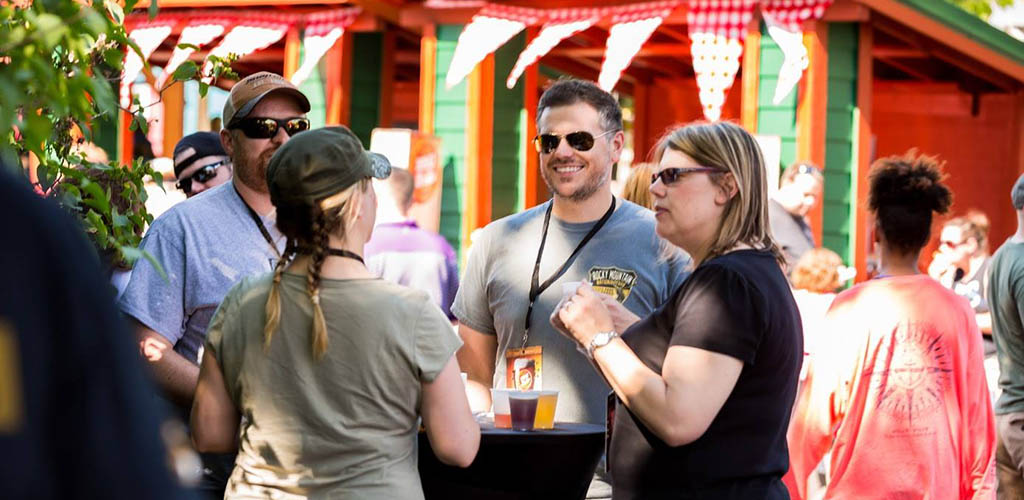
{"type": "Point", "coordinates": [311, 227]}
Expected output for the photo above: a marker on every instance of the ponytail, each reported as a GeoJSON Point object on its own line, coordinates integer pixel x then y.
{"type": "Point", "coordinates": [273, 307]}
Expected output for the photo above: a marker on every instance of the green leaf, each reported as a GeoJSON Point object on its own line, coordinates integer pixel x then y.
{"type": "Point", "coordinates": [51, 29]}
{"type": "Point", "coordinates": [154, 9]}
{"type": "Point", "coordinates": [47, 176]}
{"type": "Point", "coordinates": [120, 221]}
{"type": "Point", "coordinates": [96, 227]}
{"type": "Point", "coordinates": [115, 10]}
{"type": "Point", "coordinates": [96, 197]}
{"type": "Point", "coordinates": [143, 125]}
{"type": "Point", "coordinates": [186, 46]}
{"type": "Point", "coordinates": [186, 71]}
{"type": "Point", "coordinates": [203, 88]}
{"type": "Point", "coordinates": [133, 254]}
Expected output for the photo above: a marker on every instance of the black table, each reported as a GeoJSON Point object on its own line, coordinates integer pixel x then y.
{"type": "Point", "coordinates": [557, 464]}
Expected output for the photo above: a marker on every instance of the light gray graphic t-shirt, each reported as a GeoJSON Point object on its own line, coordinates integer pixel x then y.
{"type": "Point", "coordinates": [623, 259]}
{"type": "Point", "coordinates": [206, 244]}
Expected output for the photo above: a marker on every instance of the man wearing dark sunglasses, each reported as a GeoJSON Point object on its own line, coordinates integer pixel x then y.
{"type": "Point", "coordinates": [200, 163]}
{"type": "Point", "coordinates": [517, 265]}
{"type": "Point", "coordinates": [799, 192]}
{"type": "Point", "coordinates": [206, 244]}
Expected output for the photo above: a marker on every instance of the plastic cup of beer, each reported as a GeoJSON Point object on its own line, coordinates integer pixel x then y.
{"type": "Point", "coordinates": [547, 401]}
{"type": "Point", "coordinates": [523, 409]}
{"type": "Point", "coordinates": [502, 414]}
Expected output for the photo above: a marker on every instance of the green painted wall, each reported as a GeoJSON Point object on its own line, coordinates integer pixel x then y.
{"type": "Point", "coordinates": [775, 119]}
{"type": "Point", "coordinates": [367, 57]}
{"type": "Point", "coordinates": [839, 207]}
{"type": "Point", "coordinates": [313, 87]}
{"type": "Point", "coordinates": [509, 126]}
{"type": "Point", "coordinates": [450, 127]}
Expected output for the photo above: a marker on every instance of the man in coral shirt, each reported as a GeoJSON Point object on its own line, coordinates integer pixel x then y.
{"type": "Point", "coordinates": [897, 391]}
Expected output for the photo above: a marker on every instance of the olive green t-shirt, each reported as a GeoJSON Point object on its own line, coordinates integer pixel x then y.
{"type": "Point", "coordinates": [1006, 302]}
{"type": "Point", "coordinates": [344, 426]}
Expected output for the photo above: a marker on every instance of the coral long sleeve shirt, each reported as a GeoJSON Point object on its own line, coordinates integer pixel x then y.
{"type": "Point", "coordinates": [898, 394]}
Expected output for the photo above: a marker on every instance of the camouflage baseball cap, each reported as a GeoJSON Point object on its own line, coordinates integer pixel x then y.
{"type": "Point", "coordinates": [249, 91]}
{"type": "Point", "coordinates": [316, 164]}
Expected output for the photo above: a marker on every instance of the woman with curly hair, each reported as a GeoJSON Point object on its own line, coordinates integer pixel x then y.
{"type": "Point", "coordinates": [330, 366]}
{"type": "Point", "coordinates": [898, 393]}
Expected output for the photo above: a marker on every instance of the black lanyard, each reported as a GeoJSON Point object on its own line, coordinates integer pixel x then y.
{"type": "Point", "coordinates": [338, 252]}
{"type": "Point", "coordinates": [259, 223]}
{"type": "Point", "coordinates": [537, 288]}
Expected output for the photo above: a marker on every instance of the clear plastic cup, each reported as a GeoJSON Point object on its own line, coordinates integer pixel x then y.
{"type": "Point", "coordinates": [569, 289]}
{"type": "Point", "coordinates": [546, 404]}
{"type": "Point", "coordinates": [502, 413]}
{"type": "Point", "coordinates": [523, 409]}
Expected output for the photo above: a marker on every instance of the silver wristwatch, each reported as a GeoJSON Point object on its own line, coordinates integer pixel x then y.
{"type": "Point", "coordinates": [600, 340]}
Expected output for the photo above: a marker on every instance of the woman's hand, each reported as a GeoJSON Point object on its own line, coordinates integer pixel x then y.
{"type": "Point", "coordinates": [622, 318]}
{"type": "Point", "coordinates": [584, 315]}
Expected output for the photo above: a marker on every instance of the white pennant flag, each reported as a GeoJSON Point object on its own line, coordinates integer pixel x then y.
{"type": "Point", "coordinates": [197, 33]}
{"type": "Point", "coordinates": [624, 41]}
{"type": "Point", "coordinates": [315, 46]}
{"type": "Point", "coordinates": [795, 60]}
{"type": "Point", "coordinates": [148, 39]}
{"type": "Point", "coordinates": [550, 35]}
{"type": "Point", "coordinates": [483, 35]}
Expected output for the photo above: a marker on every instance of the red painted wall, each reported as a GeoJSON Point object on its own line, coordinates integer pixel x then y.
{"type": "Point", "coordinates": [982, 152]}
{"type": "Point", "coordinates": [405, 106]}
{"type": "Point", "coordinates": [675, 102]}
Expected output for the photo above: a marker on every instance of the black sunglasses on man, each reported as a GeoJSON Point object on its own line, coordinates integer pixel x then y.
{"type": "Point", "coordinates": [202, 175]}
{"type": "Point", "coordinates": [265, 128]}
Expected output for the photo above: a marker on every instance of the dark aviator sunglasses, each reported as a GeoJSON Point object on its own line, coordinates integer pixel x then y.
{"type": "Point", "coordinates": [202, 175]}
{"type": "Point", "coordinates": [265, 128]}
{"type": "Point", "coordinates": [580, 141]}
{"type": "Point", "coordinates": [672, 174]}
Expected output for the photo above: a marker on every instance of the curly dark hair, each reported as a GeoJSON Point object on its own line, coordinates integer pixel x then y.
{"type": "Point", "coordinates": [904, 192]}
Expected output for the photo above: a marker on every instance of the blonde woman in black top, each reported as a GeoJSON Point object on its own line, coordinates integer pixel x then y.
{"type": "Point", "coordinates": [706, 383]}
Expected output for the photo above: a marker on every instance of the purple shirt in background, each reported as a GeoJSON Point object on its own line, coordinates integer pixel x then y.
{"type": "Point", "coordinates": [403, 253]}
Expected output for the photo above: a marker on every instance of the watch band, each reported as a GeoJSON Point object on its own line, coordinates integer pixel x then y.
{"type": "Point", "coordinates": [600, 340]}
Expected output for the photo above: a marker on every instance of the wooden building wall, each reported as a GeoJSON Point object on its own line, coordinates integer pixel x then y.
{"type": "Point", "coordinates": [983, 158]}
{"type": "Point", "coordinates": [675, 102]}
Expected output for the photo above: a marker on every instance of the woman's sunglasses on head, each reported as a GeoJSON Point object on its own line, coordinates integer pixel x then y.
{"type": "Point", "coordinates": [202, 175]}
{"type": "Point", "coordinates": [672, 174]}
{"type": "Point", "coordinates": [265, 128]}
{"type": "Point", "coordinates": [580, 141]}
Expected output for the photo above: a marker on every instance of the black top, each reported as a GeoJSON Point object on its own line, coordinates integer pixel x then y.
{"type": "Point", "coordinates": [738, 304]}
{"type": "Point", "coordinates": [80, 419]}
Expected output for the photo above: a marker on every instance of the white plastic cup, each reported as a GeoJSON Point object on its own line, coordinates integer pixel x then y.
{"type": "Point", "coordinates": [502, 412]}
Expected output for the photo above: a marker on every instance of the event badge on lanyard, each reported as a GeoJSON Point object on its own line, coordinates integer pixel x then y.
{"type": "Point", "coordinates": [523, 366]}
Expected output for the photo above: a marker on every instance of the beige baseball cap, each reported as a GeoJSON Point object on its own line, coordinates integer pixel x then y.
{"type": "Point", "coordinates": [250, 90]}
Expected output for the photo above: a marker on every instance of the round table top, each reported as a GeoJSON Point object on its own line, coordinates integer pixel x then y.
{"type": "Point", "coordinates": [561, 429]}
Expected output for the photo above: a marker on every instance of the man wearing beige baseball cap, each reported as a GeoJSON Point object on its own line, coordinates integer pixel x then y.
{"type": "Point", "coordinates": [207, 244]}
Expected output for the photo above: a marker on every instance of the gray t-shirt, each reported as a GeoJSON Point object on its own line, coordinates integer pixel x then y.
{"type": "Point", "coordinates": [341, 427]}
{"type": "Point", "coordinates": [206, 245]}
{"type": "Point", "coordinates": [1006, 303]}
{"type": "Point", "coordinates": [622, 258]}
{"type": "Point", "coordinates": [791, 232]}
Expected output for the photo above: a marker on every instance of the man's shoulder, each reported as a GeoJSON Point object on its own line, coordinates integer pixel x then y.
{"type": "Point", "coordinates": [210, 207]}
{"type": "Point", "coordinates": [632, 215]}
{"type": "Point", "coordinates": [514, 223]}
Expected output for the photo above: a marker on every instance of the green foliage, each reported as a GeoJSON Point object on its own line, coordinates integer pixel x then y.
{"type": "Point", "coordinates": [60, 64]}
{"type": "Point", "coordinates": [980, 8]}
